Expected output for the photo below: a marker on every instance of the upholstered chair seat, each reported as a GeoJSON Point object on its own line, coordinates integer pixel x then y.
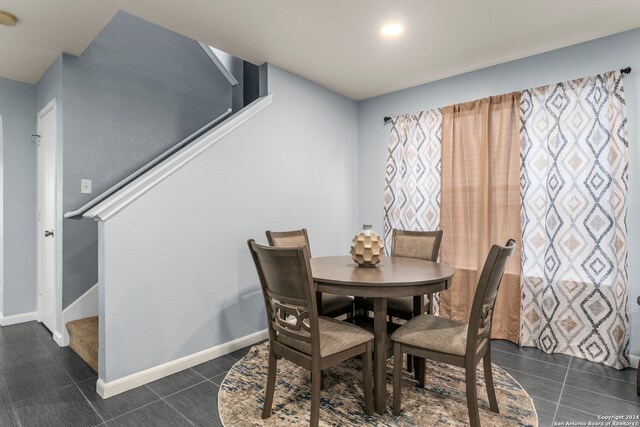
{"type": "Point", "coordinates": [335, 336]}
{"type": "Point", "coordinates": [434, 333]}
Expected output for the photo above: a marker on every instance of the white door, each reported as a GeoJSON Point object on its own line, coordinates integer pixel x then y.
{"type": "Point", "coordinates": [46, 216]}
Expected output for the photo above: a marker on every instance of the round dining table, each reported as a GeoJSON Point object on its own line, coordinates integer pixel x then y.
{"type": "Point", "coordinates": [392, 277]}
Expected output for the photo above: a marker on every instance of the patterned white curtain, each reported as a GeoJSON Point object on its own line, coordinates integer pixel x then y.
{"type": "Point", "coordinates": [412, 190]}
{"type": "Point", "coordinates": [413, 176]}
{"type": "Point", "coordinates": [574, 192]}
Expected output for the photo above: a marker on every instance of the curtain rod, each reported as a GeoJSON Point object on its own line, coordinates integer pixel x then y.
{"type": "Point", "coordinates": [626, 70]}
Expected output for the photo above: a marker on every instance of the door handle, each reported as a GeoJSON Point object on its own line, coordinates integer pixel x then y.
{"type": "Point", "coordinates": [48, 233]}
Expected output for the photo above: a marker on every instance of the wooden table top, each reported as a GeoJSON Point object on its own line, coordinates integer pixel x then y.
{"type": "Point", "coordinates": [393, 276]}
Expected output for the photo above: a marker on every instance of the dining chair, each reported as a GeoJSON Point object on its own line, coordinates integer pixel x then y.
{"type": "Point", "coordinates": [457, 343]}
{"type": "Point", "coordinates": [332, 305]}
{"type": "Point", "coordinates": [410, 244]}
{"type": "Point", "coordinates": [296, 332]}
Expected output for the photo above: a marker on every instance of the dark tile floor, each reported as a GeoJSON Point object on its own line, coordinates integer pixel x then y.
{"type": "Point", "coordinates": [566, 388]}
{"type": "Point", "coordinates": [42, 384]}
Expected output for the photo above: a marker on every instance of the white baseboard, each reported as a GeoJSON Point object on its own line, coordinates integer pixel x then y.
{"type": "Point", "coordinates": [83, 307]}
{"type": "Point", "coordinates": [17, 318]}
{"type": "Point", "coordinates": [58, 338]}
{"type": "Point", "coordinates": [635, 360]}
{"type": "Point", "coordinates": [112, 388]}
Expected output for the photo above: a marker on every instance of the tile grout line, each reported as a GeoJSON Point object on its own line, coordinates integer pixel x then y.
{"type": "Point", "coordinates": [90, 404]}
{"type": "Point", "coordinates": [157, 400]}
{"type": "Point", "coordinates": [556, 364]}
{"type": "Point", "coordinates": [133, 410]}
{"type": "Point", "coordinates": [183, 389]}
{"type": "Point", "coordinates": [14, 411]}
{"type": "Point", "coordinates": [541, 398]}
{"type": "Point", "coordinates": [64, 370]}
{"type": "Point", "coordinates": [154, 392]}
{"type": "Point", "coordinates": [35, 396]}
{"type": "Point", "coordinates": [576, 409]}
{"type": "Point", "coordinates": [216, 384]}
{"type": "Point", "coordinates": [532, 358]}
{"type": "Point", "coordinates": [569, 368]}
{"type": "Point", "coordinates": [198, 373]}
{"type": "Point", "coordinates": [527, 373]}
{"type": "Point", "coordinates": [562, 366]}
{"type": "Point", "coordinates": [603, 395]}
{"type": "Point", "coordinates": [170, 405]}
{"type": "Point", "coordinates": [562, 391]}
{"type": "Point", "coordinates": [178, 412]}
{"type": "Point", "coordinates": [11, 402]}
{"type": "Point", "coordinates": [603, 376]}
{"type": "Point", "coordinates": [38, 339]}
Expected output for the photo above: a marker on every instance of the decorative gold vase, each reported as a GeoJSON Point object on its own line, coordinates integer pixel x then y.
{"type": "Point", "coordinates": [367, 247]}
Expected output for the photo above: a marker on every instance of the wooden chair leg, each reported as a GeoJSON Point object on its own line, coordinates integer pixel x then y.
{"type": "Point", "coordinates": [472, 395]}
{"type": "Point", "coordinates": [419, 366]}
{"type": "Point", "coordinates": [397, 378]}
{"type": "Point", "coordinates": [323, 380]}
{"type": "Point", "coordinates": [488, 380]}
{"type": "Point", "coordinates": [367, 377]}
{"type": "Point", "coordinates": [271, 385]}
{"type": "Point", "coordinates": [316, 380]}
{"type": "Point", "coordinates": [409, 363]}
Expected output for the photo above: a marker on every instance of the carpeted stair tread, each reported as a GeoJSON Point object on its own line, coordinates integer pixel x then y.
{"type": "Point", "coordinates": [83, 339]}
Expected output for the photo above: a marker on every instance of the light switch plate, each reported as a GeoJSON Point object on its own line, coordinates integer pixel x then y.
{"type": "Point", "coordinates": [85, 186]}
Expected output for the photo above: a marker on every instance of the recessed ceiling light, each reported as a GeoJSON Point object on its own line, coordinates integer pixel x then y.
{"type": "Point", "coordinates": [7, 19]}
{"type": "Point", "coordinates": [392, 30]}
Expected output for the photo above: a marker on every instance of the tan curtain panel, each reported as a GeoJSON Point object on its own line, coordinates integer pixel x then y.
{"type": "Point", "coordinates": [481, 204]}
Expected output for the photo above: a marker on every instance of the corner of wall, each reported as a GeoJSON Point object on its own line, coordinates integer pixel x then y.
{"type": "Point", "coordinates": [263, 78]}
{"type": "Point", "coordinates": [1, 220]}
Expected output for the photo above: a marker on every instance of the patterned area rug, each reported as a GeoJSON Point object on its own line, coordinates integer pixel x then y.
{"type": "Point", "coordinates": [441, 403]}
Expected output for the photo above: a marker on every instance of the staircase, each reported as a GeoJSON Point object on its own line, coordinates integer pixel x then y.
{"type": "Point", "coordinates": [247, 90]}
{"type": "Point", "coordinates": [83, 339]}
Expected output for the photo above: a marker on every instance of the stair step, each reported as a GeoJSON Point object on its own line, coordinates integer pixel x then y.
{"type": "Point", "coordinates": [83, 339]}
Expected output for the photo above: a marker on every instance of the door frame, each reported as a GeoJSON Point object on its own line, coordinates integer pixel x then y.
{"type": "Point", "coordinates": [51, 106]}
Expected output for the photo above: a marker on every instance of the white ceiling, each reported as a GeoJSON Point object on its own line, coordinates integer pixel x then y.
{"type": "Point", "coordinates": [335, 43]}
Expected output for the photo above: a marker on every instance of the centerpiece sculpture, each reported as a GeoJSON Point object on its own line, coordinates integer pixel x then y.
{"type": "Point", "coordinates": [367, 247]}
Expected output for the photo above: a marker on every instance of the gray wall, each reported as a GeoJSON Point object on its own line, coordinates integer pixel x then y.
{"type": "Point", "coordinates": [136, 91]}
{"type": "Point", "coordinates": [49, 87]}
{"type": "Point", "coordinates": [18, 182]}
{"type": "Point", "coordinates": [605, 54]}
{"type": "Point", "coordinates": [292, 165]}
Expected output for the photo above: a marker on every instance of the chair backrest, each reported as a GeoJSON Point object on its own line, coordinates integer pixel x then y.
{"type": "Point", "coordinates": [289, 294]}
{"type": "Point", "coordinates": [289, 238]}
{"type": "Point", "coordinates": [485, 297]}
{"type": "Point", "coordinates": [416, 244]}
